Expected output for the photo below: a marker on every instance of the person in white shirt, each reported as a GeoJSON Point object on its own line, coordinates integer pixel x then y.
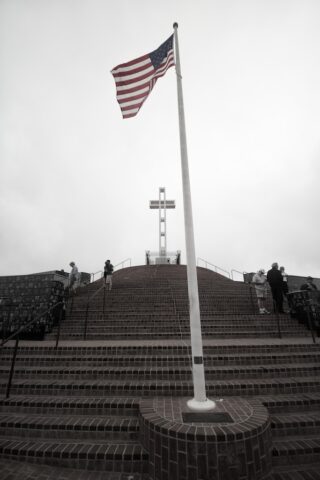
{"type": "Point", "coordinates": [259, 280]}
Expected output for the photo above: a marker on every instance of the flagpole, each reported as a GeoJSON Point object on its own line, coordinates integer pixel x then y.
{"type": "Point", "coordinates": [200, 401]}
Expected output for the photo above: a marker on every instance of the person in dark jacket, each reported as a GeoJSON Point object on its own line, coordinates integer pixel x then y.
{"type": "Point", "coordinates": [107, 273]}
{"type": "Point", "coordinates": [309, 285]}
{"type": "Point", "coordinates": [275, 281]}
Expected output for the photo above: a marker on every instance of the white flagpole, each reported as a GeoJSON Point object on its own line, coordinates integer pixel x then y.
{"type": "Point", "coordinates": [200, 401]}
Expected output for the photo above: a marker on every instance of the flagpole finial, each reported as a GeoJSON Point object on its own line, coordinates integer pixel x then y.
{"type": "Point", "coordinates": [175, 25]}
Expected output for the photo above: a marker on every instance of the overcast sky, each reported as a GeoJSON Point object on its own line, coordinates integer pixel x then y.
{"type": "Point", "coordinates": [76, 179]}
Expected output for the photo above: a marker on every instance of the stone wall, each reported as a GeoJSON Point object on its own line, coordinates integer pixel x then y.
{"type": "Point", "coordinates": [25, 297]}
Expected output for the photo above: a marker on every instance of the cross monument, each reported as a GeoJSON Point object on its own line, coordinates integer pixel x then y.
{"type": "Point", "coordinates": [162, 205]}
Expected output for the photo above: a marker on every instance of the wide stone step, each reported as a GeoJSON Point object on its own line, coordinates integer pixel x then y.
{"type": "Point", "coordinates": [182, 302]}
{"type": "Point", "coordinates": [172, 325]}
{"type": "Point", "coordinates": [149, 333]}
{"type": "Point", "coordinates": [298, 402]}
{"type": "Point", "coordinates": [149, 311]}
{"type": "Point", "coordinates": [176, 329]}
{"type": "Point", "coordinates": [217, 389]}
{"type": "Point", "coordinates": [129, 406]}
{"type": "Point", "coordinates": [15, 470]}
{"type": "Point", "coordinates": [98, 314]}
{"type": "Point", "coordinates": [153, 360]}
{"type": "Point", "coordinates": [164, 316]}
{"type": "Point", "coordinates": [147, 307]}
{"type": "Point", "coordinates": [125, 406]}
{"type": "Point", "coordinates": [296, 472]}
{"type": "Point", "coordinates": [138, 298]}
{"type": "Point", "coordinates": [69, 426]}
{"type": "Point", "coordinates": [297, 450]}
{"type": "Point", "coordinates": [112, 456]}
{"type": "Point", "coordinates": [127, 373]}
{"type": "Point", "coordinates": [163, 348]}
{"type": "Point", "coordinates": [142, 335]}
{"type": "Point", "coordinates": [298, 423]}
{"type": "Point", "coordinates": [132, 322]}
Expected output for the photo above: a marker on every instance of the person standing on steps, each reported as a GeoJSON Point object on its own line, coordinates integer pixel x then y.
{"type": "Point", "coordinates": [285, 288]}
{"type": "Point", "coordinates": [285, 281]}
{"type": "Point", "coordinates": [73, 277]}
{"type": "Point", "coordinates": [275, 280]}
{"type": "Point", "coordinates": [309, 285]}
{"type": "Point", "coordinates": [259, 280]}
{"type": "Point", "coordinates": [107, 273]}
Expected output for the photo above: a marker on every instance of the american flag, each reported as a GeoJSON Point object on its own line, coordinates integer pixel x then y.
{"type": "Point", "coordinates": [135, 79]}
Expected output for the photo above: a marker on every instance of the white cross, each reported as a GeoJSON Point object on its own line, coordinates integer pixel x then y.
{"type": "Point", "coordinates": [162, 205]}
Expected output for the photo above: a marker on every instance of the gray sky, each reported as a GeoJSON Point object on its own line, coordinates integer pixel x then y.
{"type": "Point", "coordinates": [76, 179]}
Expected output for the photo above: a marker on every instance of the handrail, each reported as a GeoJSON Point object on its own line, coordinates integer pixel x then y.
{"type": "Point", "coordinates": [16, 336]}
{"type": "Point", "coordinates": [87, 308]}
{"type": "Point", "coordinates": [94, 294]}
{"type": "Point", "coordinates": [237, 271]}
{"type": "Point", "coordinates": [26, 325]}
{"type": "Point", "coordinates": [212, 265]}
{"type": "Point", "coordinates": [123, 261]}
{"type": "Point", "coordinates": [92, 275]}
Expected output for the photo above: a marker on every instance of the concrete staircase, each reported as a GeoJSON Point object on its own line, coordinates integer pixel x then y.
{"type": "Point", "coordinates": [76, 407]}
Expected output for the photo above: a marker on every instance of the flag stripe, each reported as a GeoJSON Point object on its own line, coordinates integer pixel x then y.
{"type": "Point", "coordinates": [132, 101]}
{"type": "Point", "coordinates": [139, 85]}
{"type": "Point", "coordinates": [137, 82]}
{"type": "Point", "coordinates": [166, 64]}
{"type": "Point", "coordinates": [131, 106]}
{"type": "Point", "coordinates": [128, 65]}
{"type": "Point", "coordinates": [133, 95]}
{"type": "Point", "coordinates": [135, 68]}
{"type": "Point", "coordinates": [135, 79]}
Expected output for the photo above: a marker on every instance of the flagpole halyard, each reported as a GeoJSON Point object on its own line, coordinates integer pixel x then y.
{"type": "Point", "coordinates": [200, 401]}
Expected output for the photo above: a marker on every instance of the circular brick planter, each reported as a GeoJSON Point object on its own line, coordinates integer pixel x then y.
{"type": "Point", "coordinates": [237, 449]}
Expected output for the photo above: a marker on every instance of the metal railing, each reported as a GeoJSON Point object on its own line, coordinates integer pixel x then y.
{"type": "Point", "coordinates": [87, 307]}
{"type": "Point", "coordinates": [237, 271]}
{"type": "Point", "coordinates": [15, 335]}
{"type": "Point", "coordinates": [120, 264]}
{"type": "Point", "coordinates": [92, 275]}
{"type": "Point", "coordinates": [216, 268]}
